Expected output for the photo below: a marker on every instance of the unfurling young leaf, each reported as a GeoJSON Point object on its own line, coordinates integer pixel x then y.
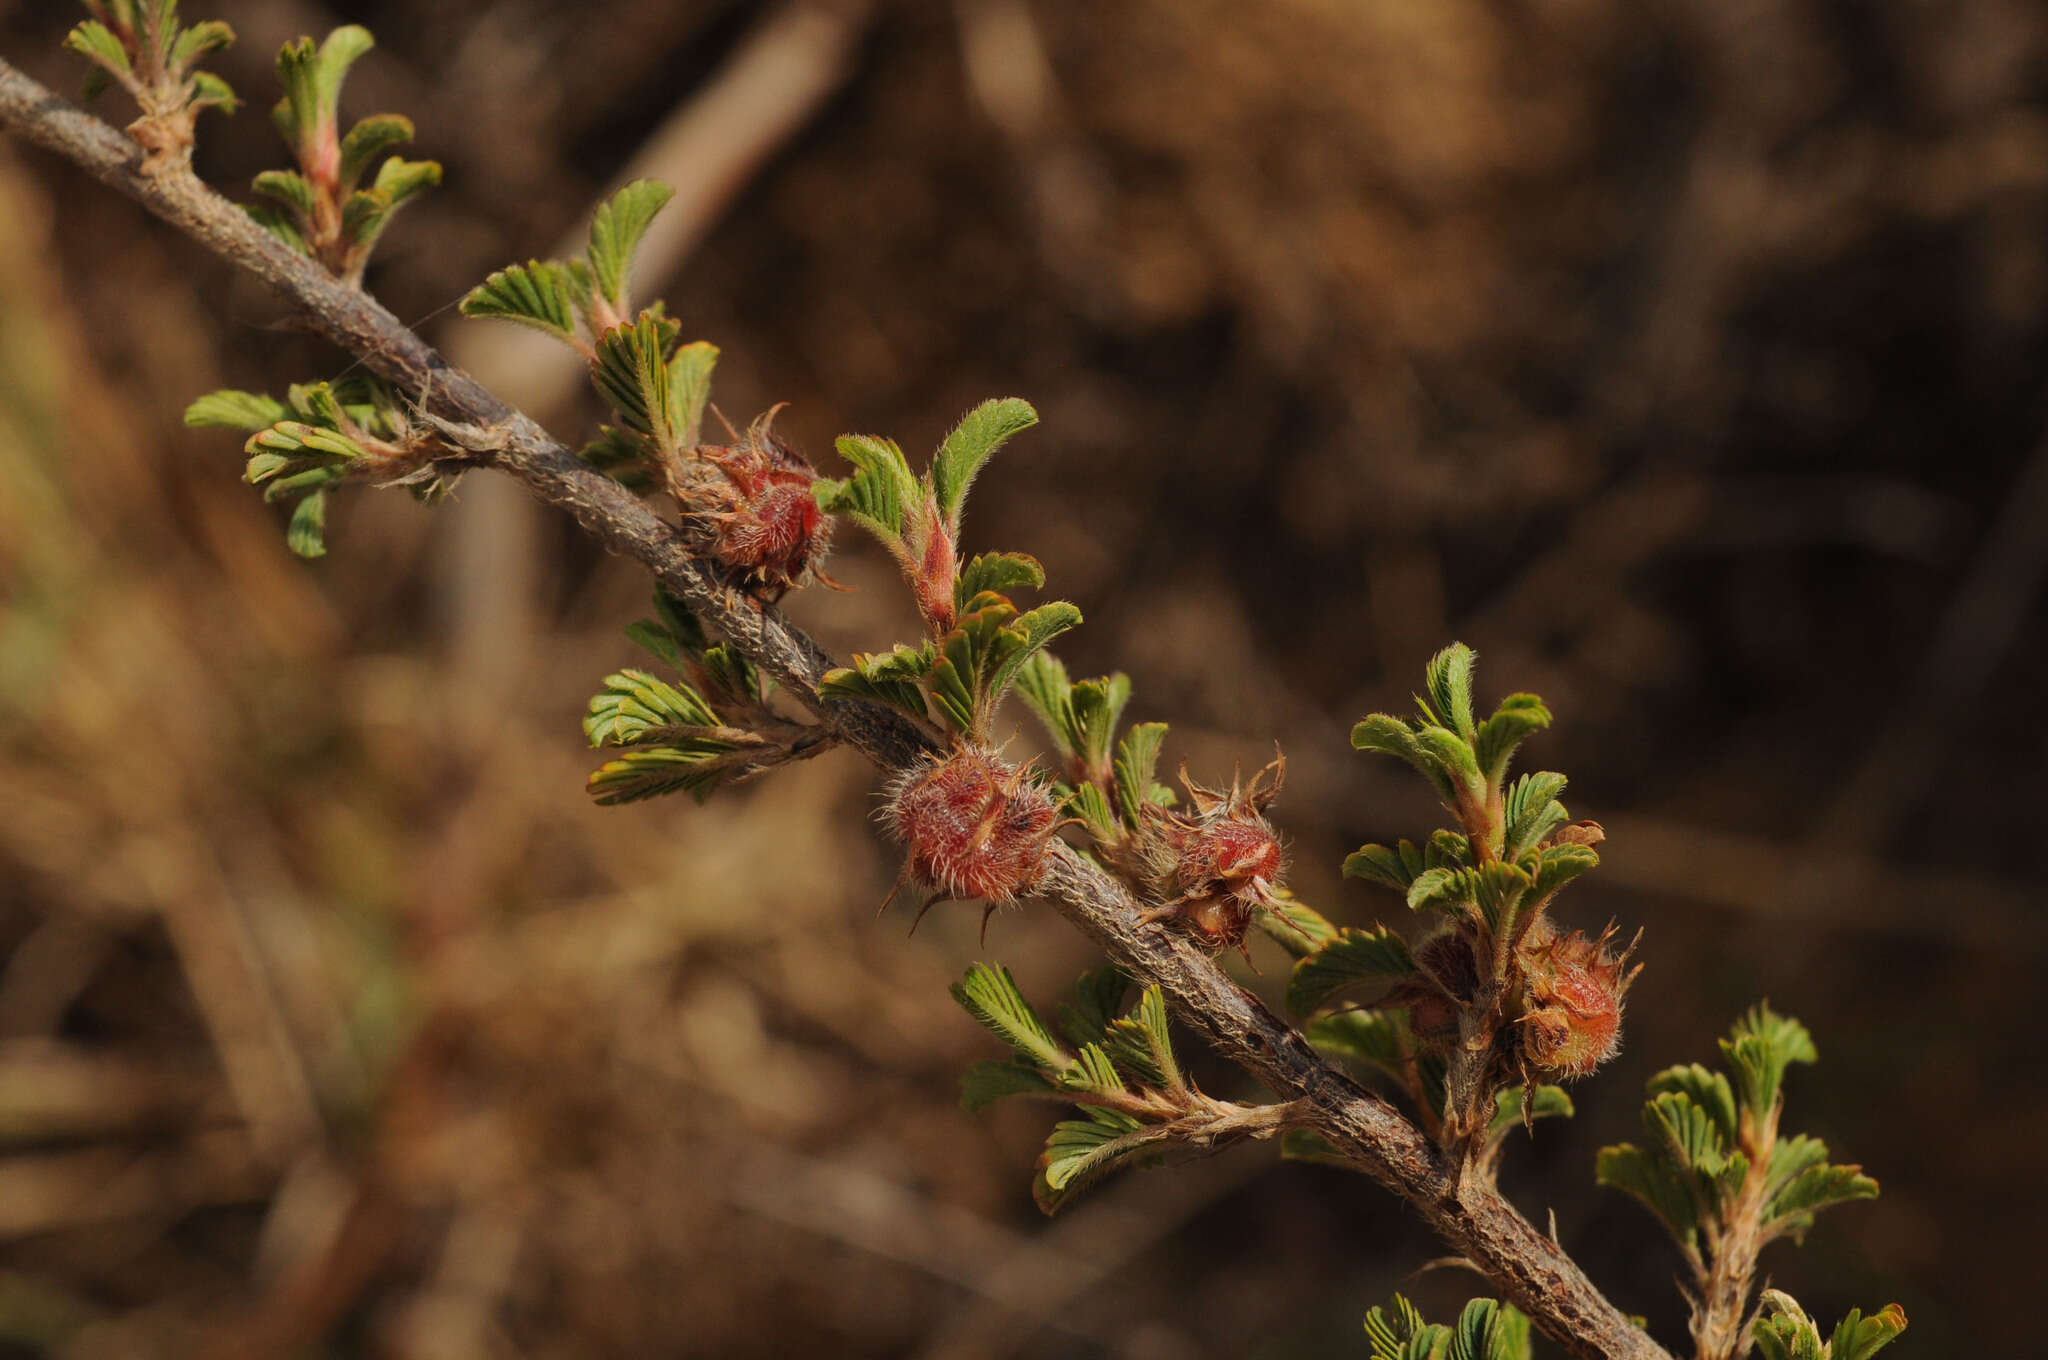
{"type": "Point", "coordinates": [970, 445]}
{"type": "Point", "coordinates": [990, 995]}
{"type": "Point", "coordinates": [325, 208]}
{"type": "Point", "coordinates": [1486, 1330]}
{"type": "Point", "coordinates": [616, 230]}
{"type": "Point", "coordinates": [1785, 1332]}
{"type": "Point", "coordinates": [1356, 958]}
{"type": "Point", "coordinates": [142, 48]}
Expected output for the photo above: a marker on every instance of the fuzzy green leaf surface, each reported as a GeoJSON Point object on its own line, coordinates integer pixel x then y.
{"type": "Point", "coordinates": [969, 446]}
{"type": "Point", "coordinates": [615, 233]}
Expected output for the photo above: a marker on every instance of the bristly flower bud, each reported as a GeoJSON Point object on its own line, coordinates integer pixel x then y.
{"type": "Point", "coordinates": [1572, 1000]}
{"type": "Point", "coordinates": [975, 826]}
{"type": "Point", "coordinates": [762, 519]}
{"type": "Point", "coordinates": [1214, 870]}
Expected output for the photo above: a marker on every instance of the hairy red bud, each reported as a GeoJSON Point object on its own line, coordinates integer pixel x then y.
{"type": "Point", "coordinates": [762, 519]}
{"type": "Point", "coordinates": [975, 826]}
{"type": "Point", "coordinates": [1573, 990]}
{"type": "Point", "coordinates": [1218, 867]}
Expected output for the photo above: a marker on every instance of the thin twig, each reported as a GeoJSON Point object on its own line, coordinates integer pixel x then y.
{"type": "Point", "coordinates": [1530, 1270]}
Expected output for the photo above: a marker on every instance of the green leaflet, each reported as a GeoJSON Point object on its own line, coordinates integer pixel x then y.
{"type": "Point", "coordinates": [990, 995]}
{"type": "Point", "coordinates": [1785, 1332]}
{"type": "Point", "coordinates": [997, 573]}
{"type": "Point", "coordinates": [1137, 756]}
{"type": "Point", "coordinates": [1355, 958]}
{"type": "Point", "coordinates": [1703, 1130]}
{"type": "Point", "coordinates": [879, 493]}
{"type": "Point", "coordinates": [1449, 680]}
{"type": "Point", "coordinates": [970, 445]}
{"type": "Point", "coordinates": [890, 678]}
{"type": "Point", "coordinates": [631, 370]}
{"type": "Point", "coordinates": [1549, 1102]}
{"type": "Point", "coordinates": [616, 230]}
{"type": "Point", "coordinates": [1487, 1330]}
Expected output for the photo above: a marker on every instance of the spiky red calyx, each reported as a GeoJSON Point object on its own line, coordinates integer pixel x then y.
{"type": "Point", "coordinates": [1573, 989]}
{"type": "Point", "coordinates": [1218, 867]}
{"type": "Point", "coordinates": [762, 520]}
{"type": "Point", "coordinates": [975, 826]}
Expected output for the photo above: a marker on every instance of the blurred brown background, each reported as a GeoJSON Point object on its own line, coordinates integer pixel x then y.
{"type": "Point", "coordinates": [1686, 358]}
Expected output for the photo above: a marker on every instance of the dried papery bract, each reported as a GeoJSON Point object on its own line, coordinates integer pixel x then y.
{"type": "Point", "coordinates": [973, 826]}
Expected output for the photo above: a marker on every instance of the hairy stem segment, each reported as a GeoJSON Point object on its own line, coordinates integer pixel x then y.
{"type": "Point", "coordinates": [1722, 1316]}
{"type": "Point", "coordinates": [1531, 1271]}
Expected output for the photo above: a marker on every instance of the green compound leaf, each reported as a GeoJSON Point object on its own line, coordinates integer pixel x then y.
{"type": "Point", "coordinates": [616, 230]}
{"type": "Point", "coordinates": [306, 533]}
{"type": "Point", "coordinates": [312, 79]}
{"type": "Point", "coordinates": [1517, 717]}
{"type": "Point", "coordinates": [879, 493]}
{"type": "Point", "coordinates": [1379, 1039]}
{"type": "Point", "coordinates": [1530, 812]}
{"type": "Point", "coordinates": [540, 293]}
{"type": "Point", "coordinates": [990, 995]}
{"type": "Point", "coordinates": [1141, 1045]}
{"type": "Point", "coordinates": [210, 35]}
{"type": "Point", "coordinates": [1759, 1050]}
{"type": "Point", "coordinates": [1137, 756]}
{"type": "Point", "coordinates": [367, 212]}
{"type": "Point", "coordinates": [1399, 867]}
{"type": "Point", "coordinates": [1557, 865]}
{"type": "Point", "coordinates": [987, 1082]}
{"type": "Point", "coordinates": [1385, 734]}
{"type": "Point", "coordinates": [1709, 1091]}
{"type": "Point", "coordinates": [1489, 1330]}
{"type": "Point", "coordinates": [998, 573]}
{"type": "Point", "coordinates": [1043, 685]}
{"type": "Point", "coordinates": [1791, 1158]}
{"type": "Point", "coordinates": [278, 224]}
{"type": "Point", "coordinates": [632, 374]}
{"type": "Point", "coordinates": [369, 139]}
{"type": "Point", "coordinates": [637, 707]}
{"type": "Point", "coordinates": [1549, 1102]}
{"type": "Point", "coordinates": [978, 435]}
{"type": "Point", "coordinates": [1792, 1209]}
{"type": "Point", "coordinates": [236, 410]}
{"type": "Point", "coordinates": [209, 91]}
{"type": "Point", "coordinates": [1093, 1074]}
{"type": "Point", "coordinates": [1787, 1333]}
{"type": "Point", "coordinates": [689, 384]}
{"type": "Point", "coordinates": [1294, 925]}
{"type": "Point", "coordinates": [1098, 996]}
{"type": "Point", "coordinates": [652, 772]}
{"type": "Point", "coordinates": [1404, 1335]}
{"type": "Point", "coordinates": [288, 187]}
{"type": "Point", "coordinates": [99, 44]}
{"type": "Point", "coordinates": [1449, 678]}
{"type": "Point", "coordinates": [1354, 959]}
{"type": "Point", "coordinates": [1494, 891]}
{"type": "Point", "coordinates": [1684, 1137]}
{"type": "Point", "coordinates": [678, 740]}
{"type": "Point", "coordinates": [890, 678]}
{"type": "Point", "coordinates": [1658, 1187]}
{"type": "Point", "coordinates": [1858, 1337]}
{"type": "Point", "coordinates": [1081, 1152]}
{"type": "Point", "coordinates": [1486, 1330]}
{"type": "Point", "coordinates": [980, 658]}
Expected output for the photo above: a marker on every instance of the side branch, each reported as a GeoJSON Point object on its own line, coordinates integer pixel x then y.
{"type": "Point", "coordinates": [1532, 1272]}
